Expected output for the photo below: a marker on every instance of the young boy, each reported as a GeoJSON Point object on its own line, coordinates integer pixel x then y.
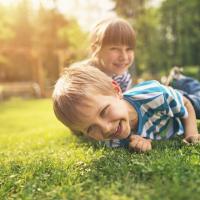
{"type": "Point", "coordinates": [87, 100]}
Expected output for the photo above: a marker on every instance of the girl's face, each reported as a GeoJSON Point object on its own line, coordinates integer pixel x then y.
{"type": "Point", "coordinates": [115, 59]}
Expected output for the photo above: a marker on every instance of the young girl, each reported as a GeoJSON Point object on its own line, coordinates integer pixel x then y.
{"type": "Point", "coordinates": [112, 44]}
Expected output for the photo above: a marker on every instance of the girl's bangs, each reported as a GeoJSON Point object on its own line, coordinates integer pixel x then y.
{"type": "Point", "coordinates": [119, 35]}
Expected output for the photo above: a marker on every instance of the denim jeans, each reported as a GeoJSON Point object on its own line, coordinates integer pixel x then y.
{"type": "Point", "coordinates": [190, 88]}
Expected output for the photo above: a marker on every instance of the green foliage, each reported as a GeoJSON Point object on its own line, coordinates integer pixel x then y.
{"type": "Point", "coordinates": [47, 24]}
{"type": "Point", "coordinates": [192, 71]}
{"type": "Point", "coordinates": [76, 40]}
{"type": "Point", "coordinates": [72, 35]}
{"type": "Point", "coordinates": [40, 159]}
{"type": "Point", "coordinates": [180, 31]}
{"type": "Point", "coordinates": [6, 33]}
{"type": "Point", "coordinates": [29, 37]}
{"type": "Point", "coordinates": [166, 36]}
{"type": "Point", "coordinates": [22, 26]}
{"type": "Point", "coordinates": [148, 49]}
{"type": "Point", "coordinates": [131, 9]}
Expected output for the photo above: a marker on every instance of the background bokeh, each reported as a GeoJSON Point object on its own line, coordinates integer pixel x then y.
{"type": "Point", "coordinates": [38, 38]}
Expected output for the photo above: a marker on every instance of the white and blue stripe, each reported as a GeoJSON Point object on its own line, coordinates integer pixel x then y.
{"type": "Point", "coordinates": [124, 81]}
{"type": "Point", "coordinates": [159, 110]}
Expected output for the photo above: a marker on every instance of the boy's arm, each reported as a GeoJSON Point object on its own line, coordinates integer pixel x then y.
{"type": "Point", "coordinates": [190, 124]}
{"type": "Point", "coordinates": [139, 144]}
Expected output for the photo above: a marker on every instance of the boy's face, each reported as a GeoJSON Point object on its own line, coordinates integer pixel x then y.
{"type": "Point", "coordinates": [106, 117]}
{"type": "Point", "coordinates": [115, 59]}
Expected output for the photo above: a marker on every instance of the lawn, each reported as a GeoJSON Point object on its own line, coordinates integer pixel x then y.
{"type": "Point", "coordinates": [40, 159]}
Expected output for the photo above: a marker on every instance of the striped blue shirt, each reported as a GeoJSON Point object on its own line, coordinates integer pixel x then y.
{"type": "Point", "coordinates": [124, 81]}
{"type": "Point", "coordinates": [159, 111]}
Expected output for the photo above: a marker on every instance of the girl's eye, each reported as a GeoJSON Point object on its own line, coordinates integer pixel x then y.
{"type": "Point", "coordinates": [129, 49]}
{"type": "Point", "coordinates": [114, 48]}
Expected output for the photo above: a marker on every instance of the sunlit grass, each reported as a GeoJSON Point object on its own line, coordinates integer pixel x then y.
{"type": "Point", "coordinates": [192, 71]}
{"type": "Point", "coordinates": [40, 159]}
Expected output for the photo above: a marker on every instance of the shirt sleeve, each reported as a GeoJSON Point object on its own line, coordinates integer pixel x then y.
{"type": "Point", "coordinates": [124, 81]}
{"type": "Point", "coordinates": [175, 102]}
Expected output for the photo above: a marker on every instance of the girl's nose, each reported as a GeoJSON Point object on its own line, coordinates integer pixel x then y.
{"type": "Point", "coordinates": [123, 55]}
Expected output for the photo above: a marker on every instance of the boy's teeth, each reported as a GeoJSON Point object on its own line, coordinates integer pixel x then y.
{"type": "Point", "coordinates": [117, 129]}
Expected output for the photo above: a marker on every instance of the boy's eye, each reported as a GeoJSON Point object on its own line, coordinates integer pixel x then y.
{"type": "Point", "coordinates": [104, 111]}
{"type": "Point", "coordinates": [89, 130]}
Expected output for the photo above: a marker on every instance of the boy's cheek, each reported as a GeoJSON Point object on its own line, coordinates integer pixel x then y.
{"type": "Point", "coordinates": [96, 136]}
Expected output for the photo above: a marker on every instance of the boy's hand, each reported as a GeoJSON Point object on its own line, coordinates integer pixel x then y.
{"type": "Point", "coordinates": [193, 139]}
{"type": "Point", "coordinates": [139, 144]}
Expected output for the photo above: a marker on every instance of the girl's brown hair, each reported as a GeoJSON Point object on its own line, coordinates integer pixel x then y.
{"type": "Point", "coordinates": [115, 31]}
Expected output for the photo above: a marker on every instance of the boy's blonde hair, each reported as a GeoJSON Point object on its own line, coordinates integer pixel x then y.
{"type": "Point", "coordinates": [73, 89]}
{"type": "Point", "coordinates": [110, 31]}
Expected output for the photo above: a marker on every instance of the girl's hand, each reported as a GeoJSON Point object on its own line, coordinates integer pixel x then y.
{"type": "Point", "coordinates": [139, 144]}
{"type": "Point", "coordinates": [193, 139]}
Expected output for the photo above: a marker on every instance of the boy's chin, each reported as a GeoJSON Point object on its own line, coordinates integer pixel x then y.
{"type": "Point", "coordinates": [124, 135]}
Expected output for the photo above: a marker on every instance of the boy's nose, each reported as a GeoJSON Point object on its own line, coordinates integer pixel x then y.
{"type": "Point", "coordinates": [106, 128]}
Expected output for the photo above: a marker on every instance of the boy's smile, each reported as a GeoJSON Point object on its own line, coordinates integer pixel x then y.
{"type": "Point", "coordinates": [106, 117]}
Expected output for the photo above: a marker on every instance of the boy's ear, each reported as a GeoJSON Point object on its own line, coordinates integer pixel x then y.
{"type": "Point", "coordinates": [117, 89]}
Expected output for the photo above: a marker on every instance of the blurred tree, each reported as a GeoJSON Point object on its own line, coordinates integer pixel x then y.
{"type": "Point", "coordinates": [180, 22]}
{"type": "Point", "coordinates": [6, 34]}
{"type": "Point", "coordinates": [37, 36]}
{"type": "Point", "coordinates": [19, 29]}
{"type": "Point", "coordinates": [148, 52]}
{"type": "Point", "coordinates": [76, 40]}
{"type": "Point", "coordinates": [145, 21]}
{"type": "Point", "coordinates": [6, 22]}
{"type": "Point", "coordinates": [55, 33]}
{"type": "Point", "coordinates": [22, 26]}
{"type": "Point", "coordinates": [130, 9]}
{"type": "Point", "coordinates": [166, 36]}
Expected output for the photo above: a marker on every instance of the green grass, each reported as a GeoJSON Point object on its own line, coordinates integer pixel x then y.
{"type": "Point", "coordinates": [40, 159]}
{"type": "Point", "coordinates": [192, 71]}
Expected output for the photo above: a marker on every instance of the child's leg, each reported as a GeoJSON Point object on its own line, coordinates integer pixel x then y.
{"type": "Point", "coordinates": [181, 82]}
{"type": "Point", "coordinates": [195, 100]}
{"type": "Point", "coordinates": [190, 88]}
{"type": "Point", "coordinates": [187, 84]}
